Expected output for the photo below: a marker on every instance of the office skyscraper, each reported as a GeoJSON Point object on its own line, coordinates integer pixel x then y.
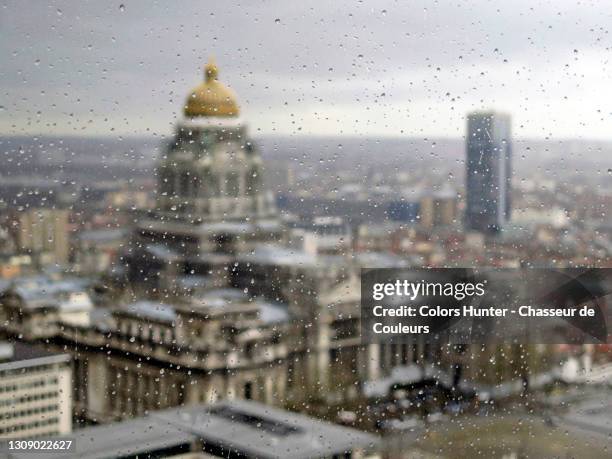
{"type": "Point", "coordinates": [489, 171]}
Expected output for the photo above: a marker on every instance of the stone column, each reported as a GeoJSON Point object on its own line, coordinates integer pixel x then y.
{"type": "Point", "coordinates": [372, 355]}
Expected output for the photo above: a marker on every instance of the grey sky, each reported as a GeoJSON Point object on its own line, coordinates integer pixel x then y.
{"type": "Point", "coordinates": [373, 68]}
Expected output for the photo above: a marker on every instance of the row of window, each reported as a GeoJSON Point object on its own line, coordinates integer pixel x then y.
{"type": "Point", "coordinates": [209, 185]}
{"type": "Point", "coordinates": [28, 398]}
{"type": "Point", "coordinates": [158, 335]}
{"type": "Point", "coordinates": [28, 385]}
{"type": "Point", "coordinates": [29, 412]}
{"type": "Point", "coordinates": [30, 425]}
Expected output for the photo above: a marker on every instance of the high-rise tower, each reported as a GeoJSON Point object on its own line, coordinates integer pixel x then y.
{"type": "Point", "coordinates": [489, 171]}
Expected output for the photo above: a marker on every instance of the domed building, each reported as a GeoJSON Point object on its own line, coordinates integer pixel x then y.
{"type": "Point", "coordinates": [211, 202]}
{"type": "Point", "coordinates": [212, 170]}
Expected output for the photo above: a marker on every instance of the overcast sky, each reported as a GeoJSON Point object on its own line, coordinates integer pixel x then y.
{"type": "Point", "coordinates": [372, 68]}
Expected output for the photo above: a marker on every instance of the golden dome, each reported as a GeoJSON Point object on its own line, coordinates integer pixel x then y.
{"type": "Point", "coordinates": [211, 98]}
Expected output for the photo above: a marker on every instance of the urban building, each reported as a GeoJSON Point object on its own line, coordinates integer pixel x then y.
{"type": "Point", "coordinates": [211, 202]}
{"type": "Point", "coordinates": [35, 392]}
{"type": "Point", "coordinates": [404, 210]}
{"type": "Point", "coordinates": [322, 235]}
{"type": "Point", "coordinates": [237, 429]}
{"type": "Point", "coordinates": [96, 249]}
{"type": "Point", "coordinates": [44, 234]}
{"type": "Point", "coordinates": [438, 209]}
{"type": "Point", "coordinates": [36, 307]}
{"type": "Point", "coordinates": [488, 171]}
{"type": "Point", "coordinates": [287, 331]}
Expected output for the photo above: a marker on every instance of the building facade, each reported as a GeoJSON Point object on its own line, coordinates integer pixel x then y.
{"type": "Point", "coordinates": [35, 392]}
{"type": "Point", "coordinates": [438, 209]}
{"type": "Point", "coordinates": [44, 234]}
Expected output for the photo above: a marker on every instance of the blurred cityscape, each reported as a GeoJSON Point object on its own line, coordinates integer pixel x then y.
{"type": "Point", "coordinates": [199, 296]}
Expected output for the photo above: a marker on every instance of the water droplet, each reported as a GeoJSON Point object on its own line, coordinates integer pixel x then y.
{"type": "Point", "coordinates": [122, 7]}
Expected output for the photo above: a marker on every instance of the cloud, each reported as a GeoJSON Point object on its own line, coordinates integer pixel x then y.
{"type": "Point", "coordinates": [379, 68]}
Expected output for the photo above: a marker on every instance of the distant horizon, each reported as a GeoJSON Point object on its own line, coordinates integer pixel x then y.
{"type": "Point", "coordinates": [170, 134]}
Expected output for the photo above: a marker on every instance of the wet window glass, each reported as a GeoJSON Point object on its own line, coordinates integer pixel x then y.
{"type": "Point", "coordinates": [371, 229]}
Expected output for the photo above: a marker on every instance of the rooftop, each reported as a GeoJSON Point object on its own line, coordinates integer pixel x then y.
{"type": "Point", "coordinates": [103, 235]}
{"type": "Point", "coordinates": [246, 428]}
{"type": "Point", "coordinates": [269, 312]}
{"type": "Point", "coordinates": [46, 291]}
{"type": "Point", "coordinates": [151, 310]}
{"type": "Point", "coordinates": [281, 256]}
{"type": "Point", "coordinates": [380, 260]}
{"type": "Point", "coordinates": [18, 355]}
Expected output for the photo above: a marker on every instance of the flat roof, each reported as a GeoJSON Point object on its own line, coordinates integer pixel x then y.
{"type": "Point", "coordinates": [263, 431]}
{"type": "Point", "coordinates": [20, 355]}
{"type": "Point", "coordinates": [40, 291]}
{"type": "Point", "coordinates": [127, 438]}
{"type": "Point", "coordinates": [247, 427]}
{"type": "Point", "coordinates": [152, 310]}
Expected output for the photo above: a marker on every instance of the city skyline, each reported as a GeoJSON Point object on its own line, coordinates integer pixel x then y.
{"type": "Point", "coordinates": [378, 70]}
{"type": "Point", "coordinates": [191, 259]}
